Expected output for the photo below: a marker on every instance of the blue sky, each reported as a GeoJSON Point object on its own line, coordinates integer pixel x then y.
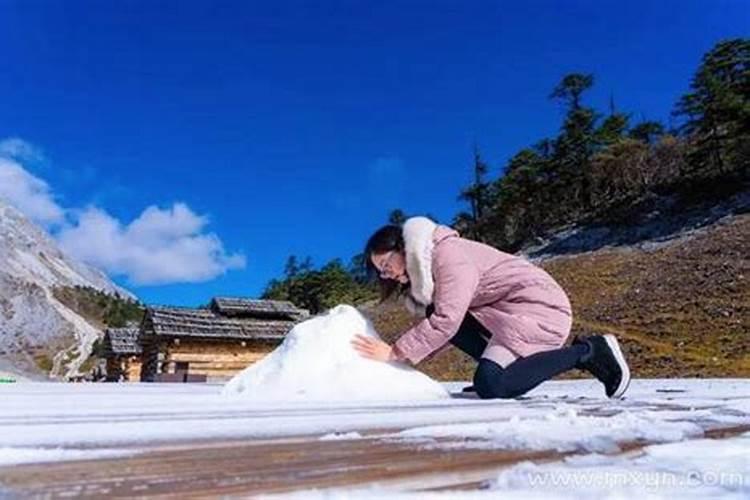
{"type": "Point", "coordinates": [285, 128]}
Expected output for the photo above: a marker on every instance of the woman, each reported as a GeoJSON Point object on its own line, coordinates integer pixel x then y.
{"type": "Point", "coordinates": [503, 311]}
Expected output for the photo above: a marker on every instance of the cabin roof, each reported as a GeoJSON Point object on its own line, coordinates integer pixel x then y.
{"type": "Point", "coordinates": [257, 308]}
{"type": "Point", "coordinates": [225, 318]}
{"type": "Point", "coordinates": [121, 341]}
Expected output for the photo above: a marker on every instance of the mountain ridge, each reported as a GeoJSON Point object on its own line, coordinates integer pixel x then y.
{"type": "Point", "coordinates": [32, 319]}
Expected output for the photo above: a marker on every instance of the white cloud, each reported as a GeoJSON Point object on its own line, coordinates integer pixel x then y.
{"type": "Point", "coordinates": [160, 246]}
{"type": "Point", "coordinates": [30, 194]}
{"type": "Point", "coordinates": [20, 150]}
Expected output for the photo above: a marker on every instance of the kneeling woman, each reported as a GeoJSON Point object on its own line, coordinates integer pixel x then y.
{"type": "Point", "coordinates": [500, 309]}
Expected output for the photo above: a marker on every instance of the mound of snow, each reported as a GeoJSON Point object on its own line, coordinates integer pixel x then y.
{"type": "Point", "coordinates": [317, 362]}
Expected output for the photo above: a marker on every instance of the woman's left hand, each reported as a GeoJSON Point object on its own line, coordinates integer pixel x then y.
{"type": "Point", "coordinates": [373, 348]}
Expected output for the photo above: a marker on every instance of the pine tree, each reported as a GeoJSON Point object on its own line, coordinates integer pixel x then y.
{"type": "Point", "coordinates": [570, 89]}
{"type": "Point", "coordinates": [575, 144]}
{"type": "Point", "coordinates": [291, 268]}
{"type": "Point", "coordinates": [358, 269]}
{"type": "Point", "coordinates": [716, 111]}
{"type": "Point", "coordinates": [646, 131]}
{"type": "Point", "coordinates": [612, 129]}
{"type": "Point", "coordinates": [478, 197]}
{"type": "Point", "coordinates": [397, 217]}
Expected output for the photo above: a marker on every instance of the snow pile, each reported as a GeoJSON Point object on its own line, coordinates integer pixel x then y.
{"type": "Point", "coordinates": [317, 362]}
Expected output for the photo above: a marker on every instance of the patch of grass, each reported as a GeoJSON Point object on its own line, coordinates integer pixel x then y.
{"type": "Point", "coordinates": [679, 309]}
{"type": "Point", "coordinates": [43, 362]}
{"type": "Point", "coordinates": [89, 364]}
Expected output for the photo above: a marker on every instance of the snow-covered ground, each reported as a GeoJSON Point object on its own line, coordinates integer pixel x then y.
{"type": "Point", "coordinates": [41, 422]}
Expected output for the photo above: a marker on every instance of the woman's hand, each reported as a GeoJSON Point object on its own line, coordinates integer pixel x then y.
{"type": "Point", "coordinates": [373, 348]}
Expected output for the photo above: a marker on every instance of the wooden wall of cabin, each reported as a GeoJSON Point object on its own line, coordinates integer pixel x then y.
{"type": "Point", "coordinates": [132, 369]}
{"type": "Point", "coordinates": [149, 359]}
{"type": "Point", "coordinates": [218, 360]}
{"type": "Point", "coordinates": [127, 368]}
{"type": "Point", "coordinates": [114, 369]}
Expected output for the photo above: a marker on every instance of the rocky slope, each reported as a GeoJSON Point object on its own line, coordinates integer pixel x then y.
{"type": "Point", "coordinates": [33, 323]}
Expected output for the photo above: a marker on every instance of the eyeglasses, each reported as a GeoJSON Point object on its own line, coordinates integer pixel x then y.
{"type": "Point", "coordinates": [385, 264]}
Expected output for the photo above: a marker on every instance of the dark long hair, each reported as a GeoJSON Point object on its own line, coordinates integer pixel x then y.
{"type": "Point", "coordinates": [387, 238]}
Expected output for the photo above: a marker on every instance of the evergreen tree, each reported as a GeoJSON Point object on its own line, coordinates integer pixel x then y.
{"type": "Point", "coordinates": [716, 111]}
{"type": "Point", "coordinates": [646, 131]}
{"type": "Point", "coordinates": [544, 148]}
{"type": "Point", "coordinates": [477, 195]}
{"type": "Point", "coordinates": [321, 289]}
{"type": "Point", "coordinates": [397, 217]}
{"type": "Point", "coordinates": [291, 268]}
{"type": "Point", "coordinates": [612, 129]}
{"type": "Point", "coordinates": [358, 269]}
{"type": "Point", "coordinates": [575, 144]}
{"type": "Point", "coordinates": [306, 265]}
{"type": "Point", "coordinates": [570, 89]}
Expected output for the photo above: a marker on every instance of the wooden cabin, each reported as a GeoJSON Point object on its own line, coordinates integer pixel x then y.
{"type": "Point", "coordinates": [214, 342]}
{"type": "Point", "coordinates": [123, 354]}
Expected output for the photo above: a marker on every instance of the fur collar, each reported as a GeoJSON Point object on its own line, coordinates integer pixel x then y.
{"type": "Point", "coordinates": [418, 245]}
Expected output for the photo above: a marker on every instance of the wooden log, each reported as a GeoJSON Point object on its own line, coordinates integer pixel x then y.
{"type": "Point", "coordinates": [217, 373]}
{"type": "Point", "coordinates": [223, 347]}
{"type": "Point", "coordinates": [149, 360]}
{"type": "Point", "coordinates": [209, 364]}
{"type": "Point", "coordinates": [228, 368]}
{"type": "Point", "coordinates": [216, 354]}
{"type": "Point", "coordinates": [208, 357]}
{"type": "Point", "coordinates": [133, 371]}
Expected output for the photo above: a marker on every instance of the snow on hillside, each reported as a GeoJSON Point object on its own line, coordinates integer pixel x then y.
{"type": "Point", "coordinates": [31, 264]}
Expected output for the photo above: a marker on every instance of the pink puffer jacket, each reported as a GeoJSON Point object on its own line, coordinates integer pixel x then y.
{"type": "Point", "coordinates": [522, 305]}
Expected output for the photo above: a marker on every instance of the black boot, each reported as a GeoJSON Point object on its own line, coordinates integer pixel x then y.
{"type": "Point", "coordinates": [606, 362]}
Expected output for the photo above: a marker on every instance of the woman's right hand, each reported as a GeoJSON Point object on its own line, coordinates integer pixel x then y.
{"type": "Point", "coordinates": [372, 348]}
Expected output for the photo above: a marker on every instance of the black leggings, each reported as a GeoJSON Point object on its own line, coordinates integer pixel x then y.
{"type": "Point", "coordinates": [493, 381]}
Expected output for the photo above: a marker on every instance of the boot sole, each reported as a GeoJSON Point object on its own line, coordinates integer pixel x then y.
{"type": "Point", "coordinates": [625, 380]}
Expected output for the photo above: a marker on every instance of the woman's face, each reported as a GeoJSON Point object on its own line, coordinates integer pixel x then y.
{"type": "Point", "coordinates": [391, 265]}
